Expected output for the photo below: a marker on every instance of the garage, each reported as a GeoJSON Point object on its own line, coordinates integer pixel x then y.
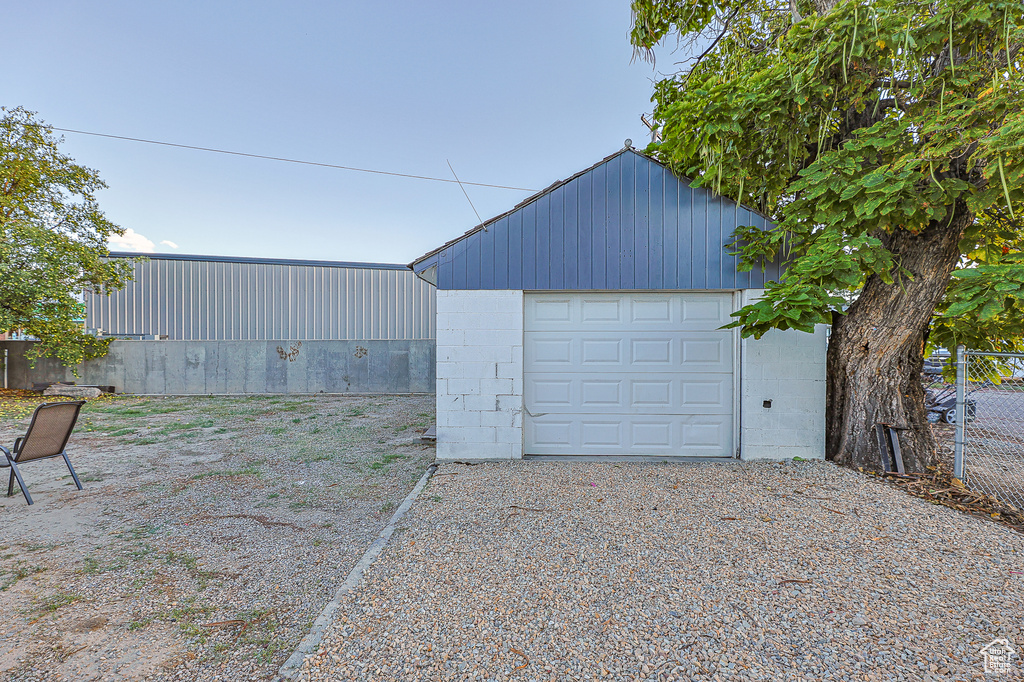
{"type": "Point", "coordinates": [587, 322]}
{"type": "Point", "coordinates": [628, 374]}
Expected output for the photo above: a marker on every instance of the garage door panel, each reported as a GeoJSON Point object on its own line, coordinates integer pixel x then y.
{"type": "Point", "coordinates": [656, 351]}
{"type": "Point", "coordinates": [637, 311]}
{"type": "Point", "coordinates": [629, 351]}
{"type": "Point", "coordinates": [606, 352]}
{"type": "Point", "coordinates": [553, 350]}
{"type": "Point", "coordinates": [601, 310]}
{"type": "Point", "coordinates": [635, 393]}
{"type": "Point", "coordinates": [598, 433]}
{"type": "Point", "coordinates": [686, 435]}
{"type": "Point", "coordinates": [552, 434]}
{"type": "Point", "coordinates": [550, 394]}
{"type": "Point", "coordinates": [554, 312]}
{"type": "Point", "coordinates": [598, 394]}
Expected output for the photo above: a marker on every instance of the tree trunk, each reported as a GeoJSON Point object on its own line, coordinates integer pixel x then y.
{"type": "Point", "coordinates": [876, 351]}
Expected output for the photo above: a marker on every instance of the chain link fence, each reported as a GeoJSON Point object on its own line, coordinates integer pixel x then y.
{"type": "Point", "coordinates": [989, 416]}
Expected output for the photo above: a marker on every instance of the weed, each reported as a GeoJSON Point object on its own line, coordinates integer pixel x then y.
{"type": "Point", "coordinates": [251, 469]}
{"type": "Point", "coordinates": [435, 498]}
{"type": "Point", "coordinates": [37, 547]}
{"type": "Point", "coordinates": [273, 495]}
{"type": "Point", "coordinates": [297, 420]}
{"type": "Point", "coordinates": [387, 460]}
{"type": "Point", "coordinates": [138, 532]}
{"type": "Point", "coordinates": [20, 571]}
{"type": "Point", "coordinates": [277, 430]}
{"type": "Point", "coordinates": [387, 507]}
{"type": "Point", "coordinates": [310, 458]}
{"type": "Point", "coordinates": [140, 552]}
{"type": "Point", "coordinates": [56, 601]}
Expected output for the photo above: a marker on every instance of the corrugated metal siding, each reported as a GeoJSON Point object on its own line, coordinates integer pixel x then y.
{"type": "Point", "coordinates": [216, 300]}
{"type": "Point", "coordinates": [626, 224]}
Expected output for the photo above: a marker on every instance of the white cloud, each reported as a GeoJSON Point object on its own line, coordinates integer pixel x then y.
{"type": "Point", "coordinates": [131, 241]}
{"type": "Point", "coordinates": [169, 243]}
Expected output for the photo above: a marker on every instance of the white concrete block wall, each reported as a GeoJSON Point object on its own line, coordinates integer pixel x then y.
{"type": "Point", "coordinates": [788, 368]}
{"type": "Point", "coordinates": [479, 375]}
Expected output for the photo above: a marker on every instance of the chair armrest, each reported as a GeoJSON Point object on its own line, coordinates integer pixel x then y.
{"type": "Point", "coordinates": [7, 456]}
{"type": "Point", "coordinates": [17, 444]}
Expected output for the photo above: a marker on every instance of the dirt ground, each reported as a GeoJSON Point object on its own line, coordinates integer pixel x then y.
{"type": "Point", "coordinates": [210, 533]}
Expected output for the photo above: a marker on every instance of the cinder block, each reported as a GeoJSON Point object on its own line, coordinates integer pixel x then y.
{"type": "Point", "coordinates": [446, 402]}
{"type": "Point", "coordinates": [488, 319]}
{"type": "Point", "coordinates": [460, 418]}
{"type": "Point", "coordinates": [446, 370]}
{"type": "Point", "coordinates": [509, 370]}
{"type": "Point", "coordinates": [465, 386]}
{"type": "Point", "coordinates": [509, 403]}
{"type": "Point", "coordinates": [495, 386]}
{"type": "Point", "coordinates": [801, 388]}
{"type": "Point", "coordinates": [465, 434]}
{"type": "Point", "coordinates": [481, 403]}
{"type": "Point", "coordinates": [478, 370]}
{"type": "Point", "coordinates": [450, 338]}
{"type": "Point", "coordinates": [508, 434]}
{"type": "Point", "coordinates": [492, 337]}
{"type": "Point", "coordinates": [464, 451]}
{"type": "Point", "coordinates": [464, 353]}
{"type": "Point", "coordinates": [497, 418]}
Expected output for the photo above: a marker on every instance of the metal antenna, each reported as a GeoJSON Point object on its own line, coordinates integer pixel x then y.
{"type": "Point", "coordinates": [480, 221]}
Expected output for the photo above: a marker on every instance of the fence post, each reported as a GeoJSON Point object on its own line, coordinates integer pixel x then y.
{"type": "Point", "coordinates": [961, 411]}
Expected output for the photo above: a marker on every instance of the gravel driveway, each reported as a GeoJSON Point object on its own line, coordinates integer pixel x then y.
{"type": "Point", "coordinates": [795, 571]}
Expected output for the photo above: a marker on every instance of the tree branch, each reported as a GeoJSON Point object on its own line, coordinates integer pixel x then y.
{"type": "Point", "coordinates": [794, 11]}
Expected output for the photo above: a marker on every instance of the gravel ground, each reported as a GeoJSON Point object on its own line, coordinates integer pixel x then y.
{"type": "Point", "coordinates": [210, 534]}
{"type": "Point", "coordinates": [791, 571]}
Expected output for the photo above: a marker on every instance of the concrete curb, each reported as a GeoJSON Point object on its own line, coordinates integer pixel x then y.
{"type": "Point", "coordinates": [312, 640]}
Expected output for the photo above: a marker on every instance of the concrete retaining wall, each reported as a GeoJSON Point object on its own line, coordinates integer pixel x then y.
{"type": "Point", "coordinates": [205, 367]}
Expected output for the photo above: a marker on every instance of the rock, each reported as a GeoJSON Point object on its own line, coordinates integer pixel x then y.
{"type": "Point", "coordinates": [859, 620]}
{"type": "Point", "coordinates": [72, 391]}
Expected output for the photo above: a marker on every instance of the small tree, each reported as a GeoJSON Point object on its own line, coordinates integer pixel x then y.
{"type": "Point", "coordinates": [53, 240]}
{"type": "Point", "coordinates": [886, 140]}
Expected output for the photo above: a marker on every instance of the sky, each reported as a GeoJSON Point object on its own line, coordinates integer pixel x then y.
{"type": "Point", "coordinates": [519, 94]}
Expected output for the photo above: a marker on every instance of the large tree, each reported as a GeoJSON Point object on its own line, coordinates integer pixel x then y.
{"type": "Point", "coordinates": [885, 138]}
{"type": "Point", "coordinates": [53, 241]}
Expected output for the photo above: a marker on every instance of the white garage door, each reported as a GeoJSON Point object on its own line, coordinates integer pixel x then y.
{"type": "Point", "coordinates": [628, 374]}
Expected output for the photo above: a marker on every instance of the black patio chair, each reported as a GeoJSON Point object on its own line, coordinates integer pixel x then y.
{"type": "Point", "coordinates": [47, 436]}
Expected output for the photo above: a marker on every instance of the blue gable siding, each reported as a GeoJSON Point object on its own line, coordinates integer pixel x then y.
{"type": "Point", "coordinates": [626, 224]}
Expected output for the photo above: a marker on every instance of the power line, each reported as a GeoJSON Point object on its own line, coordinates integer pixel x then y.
{"type": "Point", "coordinates": [280, 158]}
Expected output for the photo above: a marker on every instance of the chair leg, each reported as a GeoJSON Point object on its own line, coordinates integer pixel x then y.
{"type": "Point", "coordinates": [24, 490]}
{"type": "Point", "coordinates": [72, 470]}
{"type": "Point", "coordinates": [10, 485]}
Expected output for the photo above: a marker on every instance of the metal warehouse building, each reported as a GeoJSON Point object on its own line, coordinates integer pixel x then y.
{"type": "Point", "coordinates": [223, 325]}
{"type": "Point", "coordinates": [206, 298]}
{"type": "Point", "coordinates": [587, 321]}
